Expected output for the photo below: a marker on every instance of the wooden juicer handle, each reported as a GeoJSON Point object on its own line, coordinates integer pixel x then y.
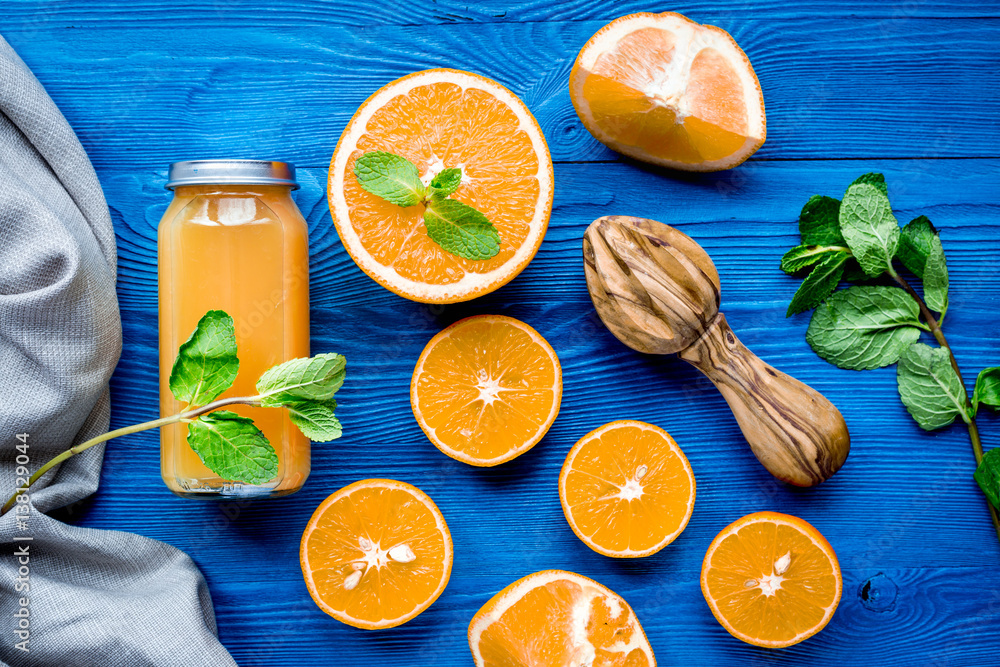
{"type": "Point", "coordinates": [795, 432]}
{"type": "Point", "coordinates": [658, 292]}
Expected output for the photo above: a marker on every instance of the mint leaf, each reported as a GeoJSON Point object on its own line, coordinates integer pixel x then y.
{"type": "Point", "coordinates": [206, 363]}
{"type": "Point", "coordinates": [233, 448]}
{"type": "Point", "coordinates": [315, 419]}
{"type": "Point", "coordinates": [461, 229]}
{"type": "Point", "coordinates": [456, 227]}
{"type": "Point", "coordinates": [987, 389]}
{"type": "Point", "coordinates": [819, 222]}
{"type": "Point", "coordinates": [819, 284]}
{"type": "Point", "coordinates": [987, 475]}
{"type": "Point", "coordinates": [446, 182]}
{"type": "Point", "coordinates": [875, 179]}
{"type": "Point", "coordinates": [868, 225]}
{"type": "Point", "coordinates": [802, 256]}
{"type": "Point", "coordinates": [915, 244]}
{"type": "Point", "coordinates": [312, 378]}
{"type": "Point", "coordinates": [936, 278]}
{"type": "Point", "coordinates": [864, 327]}
{"type": "Point", "coordinates": [929, 387]}
{"type": "Point", "coordinates": [391, 177]}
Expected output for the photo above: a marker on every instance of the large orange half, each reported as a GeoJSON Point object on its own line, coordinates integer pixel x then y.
{"type": "Point", "coordinates": [558, 619]}
{"type": "Point", "coordinates": [661, 88]}
{"type": "Point", "coordinates": [486, 389]}
{"type": "Point", "coordinates": [376, 553]}
{"type": "Point", "coordinates": [627, 489]}
{"type": "Point", "coordinates": [439, 119]}
{"type": "Point", "coordinates": [771, 579]}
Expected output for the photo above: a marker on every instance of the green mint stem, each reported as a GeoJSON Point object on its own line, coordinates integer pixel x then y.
{"type": "Point", "coordinates": [932, 323]}
{"type": "Point", "coordinates": [970, 419]}
{"type": "Point", "coordinates": [145, 426]}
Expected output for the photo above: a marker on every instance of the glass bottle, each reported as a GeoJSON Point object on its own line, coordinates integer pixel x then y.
{"type": "Point", "coordinates": [233, 239]}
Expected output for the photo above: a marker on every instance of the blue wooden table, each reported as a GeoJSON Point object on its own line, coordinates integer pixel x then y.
{"type": "Point", "coordinates": [906, 88]}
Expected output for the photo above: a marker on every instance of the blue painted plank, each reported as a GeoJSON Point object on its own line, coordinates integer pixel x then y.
{"type": "Point", "coordinates": [925, 616]}
{"type": "Point", "coordinates": [164, 81]}
{"type": "Point", "coordinates": [39, 15]}
{"type": "Point", "coordinates": [904, 504]}
{"type": "Point", "coordinates": [847, 89]}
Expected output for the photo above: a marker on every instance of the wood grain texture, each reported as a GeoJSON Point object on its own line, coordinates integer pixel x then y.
{"type": "Point", "coordinates": [904, 504]}
{"type": "Point", "coordinates": [153, 82]}
{"type": "Point", "coordinates": [37, 15]}
{"type": "Point", "coordinates": [676, 620]}
{"type": "Point", "coordinates": [652, 285]}
{"type": "Point", "coordinates": [657, 291]}
{"type": "Point", "coordinates": [793, 430]}
{"type": "Point", "coordinates": [144, 97]}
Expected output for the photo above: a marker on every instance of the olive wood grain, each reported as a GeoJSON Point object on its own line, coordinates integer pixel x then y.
{"type": "Point", "coordinates": [793, 430]}
{"type": "Point", "coordinates": [658, 292]}
{"type": "Point", "coordinates": [654, 286]}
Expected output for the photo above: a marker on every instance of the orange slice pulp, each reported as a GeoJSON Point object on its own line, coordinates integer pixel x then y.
{"type": "Point", "coordinates": [486, 389]}
{"type": "Point", "coordinates": [376, 554]}
{"type": "Point", "coordinates": [558, 618]}
{"type": "Point", "coordinates": [771, 579]}
{"type": "Point", "coordinates": [440, 119]}
{"type": "Point", "coordinates": [661, 88]}
{"type": "Point", "coordinates": [627, 489]}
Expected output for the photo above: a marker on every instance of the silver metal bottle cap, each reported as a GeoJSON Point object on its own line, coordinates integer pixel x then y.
{"type": "Point", "coordinates": [231, 172]}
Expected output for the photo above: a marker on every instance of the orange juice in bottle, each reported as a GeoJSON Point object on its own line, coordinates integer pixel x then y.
{"type": "Point", "coordinates": [233, 239]}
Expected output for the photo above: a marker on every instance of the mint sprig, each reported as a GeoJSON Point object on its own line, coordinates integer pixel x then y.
{"type": "Point", "coordinates": [873, 325]}
{"type": "Point", "coordinates": [231, 445]}
{"type": "Point", "coordinates": [455, 226]}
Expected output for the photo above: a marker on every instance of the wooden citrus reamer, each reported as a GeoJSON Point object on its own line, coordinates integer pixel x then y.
{"type": "Point", "coordinates": [658, 292]}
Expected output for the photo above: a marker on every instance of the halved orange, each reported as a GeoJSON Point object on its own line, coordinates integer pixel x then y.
{"type": "Point", "coordinates": [556, 618]}
{"type": "Point", "coordinates": [661, 88]}
{"type": "Point", "coordinates": [627, 489]}
{"type": "Point", "coordinates": [440, 119]}
{"type": "Point", "coordinates": [771, 579]}
{"type": "Point", "coordinates": [376, 554]}
{"type": "Point", "coordinates": [486, 389]}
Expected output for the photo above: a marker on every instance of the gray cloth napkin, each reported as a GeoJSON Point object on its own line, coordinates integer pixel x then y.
{"type": "Point", "coordinates": [97, 598]}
